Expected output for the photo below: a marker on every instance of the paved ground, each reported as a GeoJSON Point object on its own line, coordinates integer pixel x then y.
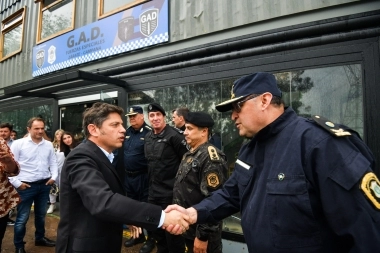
{"type": "Point", "coordinates": [51, 233]}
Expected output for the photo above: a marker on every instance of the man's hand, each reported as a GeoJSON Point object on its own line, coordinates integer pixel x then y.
{"type": "Point", "coordinates": [200, 246]}
{"type": "Point", "coordinates": [191, 212]}
{"type": "Point", "coordinates": [135, 231]}
{"type": "Point", "coordinates": [7, 160]}
{"type": "Point", "coordinates": [23, 186]}
{"type": "Point", "coordinates": [177, 222]}
{"type": "Point", "coordinates": [50, 182]}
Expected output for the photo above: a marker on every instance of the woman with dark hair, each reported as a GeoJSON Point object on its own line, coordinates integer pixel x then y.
{"type": "Point", "coordinates": [66, 144]}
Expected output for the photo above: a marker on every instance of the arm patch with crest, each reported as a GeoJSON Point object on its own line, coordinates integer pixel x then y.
{"type": "Point", "coordinates": [370, 185]}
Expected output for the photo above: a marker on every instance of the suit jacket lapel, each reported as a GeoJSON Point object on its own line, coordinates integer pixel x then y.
{"type": "Point", "coordinates": [99, 153]}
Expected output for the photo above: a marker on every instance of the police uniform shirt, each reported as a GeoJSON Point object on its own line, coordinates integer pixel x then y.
{"type": "Point", "coordinates": [298, 189]}
{"type": "Point", "coordinates": [134, 157]}
{"type": "Point", "coordinates": [201, 172]}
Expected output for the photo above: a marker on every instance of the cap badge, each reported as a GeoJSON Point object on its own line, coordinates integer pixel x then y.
{"type": "Point", "coordinates": [131, 110]}
{"type": "Point", "coordinates": [150, 107]}
{"type": "Point", "coordinates": [232, 92]}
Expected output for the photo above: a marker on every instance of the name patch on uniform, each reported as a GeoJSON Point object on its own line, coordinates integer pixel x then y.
{"type": "Point", "coordinates": [371, 187]}
{"type": "Point", "coordinates": [243, 164]}
{"type": "Point", "coordinates": [213, 180]}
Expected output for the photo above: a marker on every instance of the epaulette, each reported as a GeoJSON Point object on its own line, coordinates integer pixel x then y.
{"type": "Point", "coordinates": [178, 130]}
{"type": "Point", "coordinates": [213, 153]}
{"type": "Point", "coordinates": [330, 127]}
{"type": "Point", "coordinates": [148, 127]}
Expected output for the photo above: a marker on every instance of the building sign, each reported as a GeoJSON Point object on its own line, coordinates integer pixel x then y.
{"type": "Point", "coordinates": [135, 28]}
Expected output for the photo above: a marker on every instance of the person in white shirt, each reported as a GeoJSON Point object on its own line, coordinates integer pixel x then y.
{"type": "Point", "coordinates": [38, 171]}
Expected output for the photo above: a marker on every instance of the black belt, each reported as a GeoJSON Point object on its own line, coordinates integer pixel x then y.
{"type": "Point", "coordinates": [42, 181]}
{"type": "Point", "coordinates": [135, 173]}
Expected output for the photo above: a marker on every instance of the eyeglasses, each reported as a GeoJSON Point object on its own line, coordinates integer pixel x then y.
{"type": "Point", "coordinates": [238, 105]}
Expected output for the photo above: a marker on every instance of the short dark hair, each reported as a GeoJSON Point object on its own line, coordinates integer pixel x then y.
{"type": "Point", "coordinates": [31, 120]}
{"type": "Point", "coordinates": [97, 114]}
{"type": "Point", "coordinates": [181, 111]}
{"type": "Point", "coordinates": [7, 125]}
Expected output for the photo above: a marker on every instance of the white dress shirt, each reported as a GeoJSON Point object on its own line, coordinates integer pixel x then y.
{"type": "Point", "coordinates": [110, 156]}
{"type": "Point", "coordinates": [37, 161]}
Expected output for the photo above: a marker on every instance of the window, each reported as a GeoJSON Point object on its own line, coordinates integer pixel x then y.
{"type": "Point", "coordinates": [55, 18]}
{"type": "Point", "coordinates": [334, 92]}
{"type": "Point", "coordinates": [109, 7]}
{"type": "Point", "coordinates": [12, 34]}
{"type": "Point", "coordinates": [19, 117]}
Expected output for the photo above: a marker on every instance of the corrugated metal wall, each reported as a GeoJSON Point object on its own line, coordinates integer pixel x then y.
{"type": "Point", "coordinates": [188, 18]}
{"type": "Point", "coordinates": [18, 68]}
{"type": "Point", "coordinates": [7, 4]}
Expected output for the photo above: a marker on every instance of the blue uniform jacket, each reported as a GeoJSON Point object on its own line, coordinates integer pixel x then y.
{"type": "Point", "coordinates": [297, 187]}
{"type": "Point", "coordinates": [134, 157]}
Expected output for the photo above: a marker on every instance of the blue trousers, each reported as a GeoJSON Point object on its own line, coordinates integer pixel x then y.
{"type": "Point", "coordinates": [39, 194]}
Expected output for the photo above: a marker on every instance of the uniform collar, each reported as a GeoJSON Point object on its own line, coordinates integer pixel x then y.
{"type": "Point", "coordinates": [198, 148]}
{"type": "Point", "coordinates": [276, 126]}
{"type": "Point", "coordinates": [160, 134]}
{"type": "Point", "coordinates": [140, 129]}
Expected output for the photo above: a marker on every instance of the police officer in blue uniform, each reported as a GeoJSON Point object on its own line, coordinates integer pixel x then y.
{"type": "Point", "coordinates": [136, 168]}
{"type": "Point", "coordinates": [301, 185]}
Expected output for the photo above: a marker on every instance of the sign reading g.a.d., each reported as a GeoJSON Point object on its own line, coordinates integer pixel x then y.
{"type": "Point", "coordinates": [138, 27]}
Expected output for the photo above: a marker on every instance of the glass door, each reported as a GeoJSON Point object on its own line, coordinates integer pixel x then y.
{"type": "Point", "coordinates": [71, 119]}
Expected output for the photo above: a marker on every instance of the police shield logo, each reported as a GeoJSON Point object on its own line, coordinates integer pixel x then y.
{"type": "Point", "coordinates": [148, 22]}
{"type": "Point", "coordinates": [370, 185]}
{"type": "Point", "coordinates": [125, 29]}
{"type": "Point", "coordinates": [40, 58]}
{"type": "Point", "coordinates": [51, 54]}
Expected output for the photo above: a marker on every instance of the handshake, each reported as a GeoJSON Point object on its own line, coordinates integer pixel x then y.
{"type": "Point", "coordinates": [178, 219]}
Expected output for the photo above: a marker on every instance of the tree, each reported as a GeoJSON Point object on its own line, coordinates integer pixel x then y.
{"type": "Point", "coordinates": [293, 85]}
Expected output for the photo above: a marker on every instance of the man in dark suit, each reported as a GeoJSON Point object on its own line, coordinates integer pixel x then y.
{"type": "Point", "coordinates": [93, 202]}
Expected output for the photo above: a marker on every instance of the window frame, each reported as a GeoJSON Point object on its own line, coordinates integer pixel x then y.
{"type": "Point", "coordinates": [101, 13]}
{"type": "Point", "coordinates": [41, 9]}
{"type": "Point", "coordinates": [21, 12]}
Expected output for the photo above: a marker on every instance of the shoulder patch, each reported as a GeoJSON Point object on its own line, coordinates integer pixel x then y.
{"type": "Point", "coordinates": [213, 180]}
{"type": "Point", "coordinates": [330, 127]}
{"type": "Point", "coordinates": [370, 185]}
{"type": "Point", "coordinates": [213, 154]}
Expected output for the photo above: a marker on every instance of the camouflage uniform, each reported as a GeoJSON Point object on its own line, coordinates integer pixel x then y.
{"type": "Point", "coordinates": [200, 173]}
